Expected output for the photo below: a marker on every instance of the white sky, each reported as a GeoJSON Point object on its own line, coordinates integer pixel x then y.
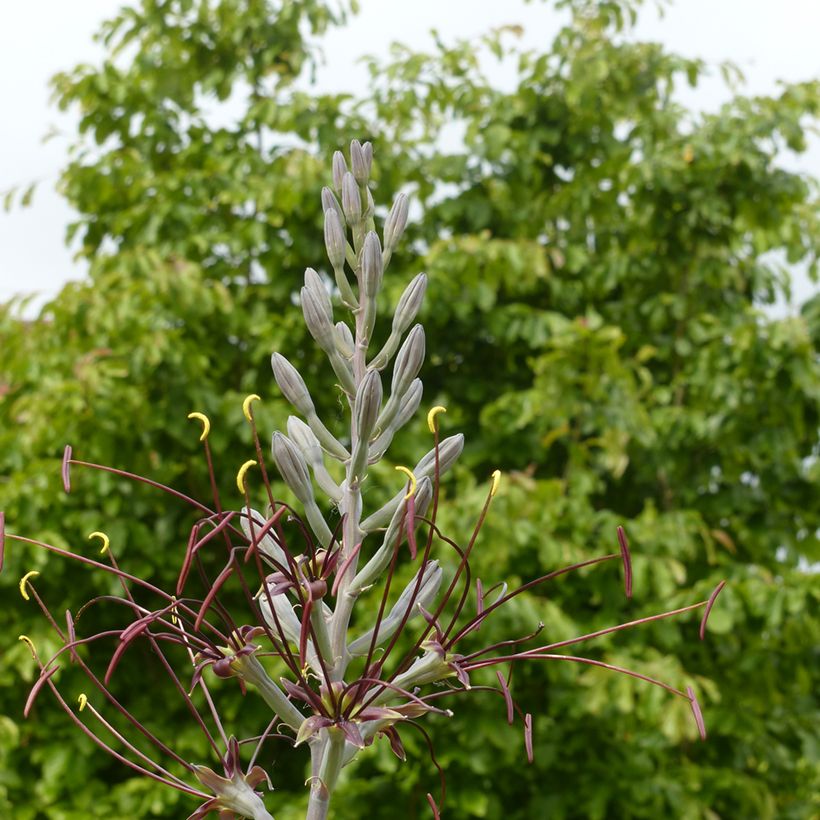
{"type": "Point", "coordinates": [769, 39]}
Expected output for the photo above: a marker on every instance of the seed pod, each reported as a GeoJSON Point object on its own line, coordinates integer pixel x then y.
{"type": "Point", "coordinates": [339, 170]}
{"type": "Point", "coordinates": [396, 222]}
{"type": "Point", "coordinates": [314, 283]}
{"type": "Point", "coordinates": [358, 163]}
{"type": "Point", "coordinates": [408, 362]}
{"type": "Point", "coordinates": [407, 606]}
{"type": "Point", "coordinates": [335, 242]}
{"type": "Point", "coordinates": [372, 268]}
{"type": "Point", "coordinates": [330, 203]}
{"type": "Point", "coordinates": [316, 319]}
{"type": "Point", "coordinates": [292, 467]}
{"type": "Point", "coordinates": [351, 200]}
{"type": "Point", "coordinates": [291, 384]}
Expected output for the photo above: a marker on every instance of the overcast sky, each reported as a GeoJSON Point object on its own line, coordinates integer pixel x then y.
{"type": "Point", "coordinates": [770, 40]}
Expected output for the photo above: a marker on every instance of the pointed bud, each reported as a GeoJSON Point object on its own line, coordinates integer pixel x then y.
{"type": "Point", "coordinates": [307, 442]}
{"type": "Point", "coordinates": [358, 163]}
{"type": "Point", "coordinates": [315, 284]}
{"type": "Point", "coordinates": [351, 200]}
{"type": "Point", "coordinates": [291, 384]}
{"type": "Point", "coordinates": [316, 318]}
{"type": "Point", "coordinates": [396, 222]}
{"type": "Point", "coordinates": [368, 403]}
{"type": "Point", "coordinates": [408, 361]}
{"type": "Point", "coordinates": [367, 152]}
{"type": "Point", "coordinates": [330, 203]}
{"type": "Point", "coordinates": [449, 450]}
{"type": "Point", "coordinates": [334, 239]}
{"type": "Point", "coordinates": [409, 303]}
{"type": "Point", "coordinates": [339, 170]}
{"type": "Point", "coordinates": [409, 404]}
{"type": "Point", "coordinates": [372, 268]}
{"type": "Point", "coordinates": [252, 521]}
{"type": "Point", "coordinates": [344, 340]}
{"type": "Point", "coordinates": [291, 466]}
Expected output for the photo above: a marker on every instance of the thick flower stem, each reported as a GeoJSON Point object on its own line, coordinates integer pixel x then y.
{"type": "Point", "coordinates": [321, 789]}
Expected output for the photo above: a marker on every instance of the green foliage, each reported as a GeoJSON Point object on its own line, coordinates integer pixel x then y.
{"type": "Point", "coordinates": [597, 256]}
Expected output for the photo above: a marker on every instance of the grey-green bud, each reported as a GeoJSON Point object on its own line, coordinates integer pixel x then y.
{"type": "Point", "coordinates": [314, 283]}
{"type": "Point", "coordinates": [330, 203]}
{"type": "Point", "coordinates": [316, 318]}
{"type": "Point", "coordinates": [410, 303]}
{"type": "Point", "coordinates": [292, 467]}
{"type": "Point", "coordinates": [339, 170]}
{"type": "Point", "coordinates": [344, 340]}
{"type": "Point", "coordinates": [408, 362]}
{"type": "Point", "coordinates": [372, 268]}
{"type": "Point", "coordinates": [368, 403]}
{"type": "Point", "coordinates": [252, 521]}
{"type": "Point", "coordinates": [351, 199]}
{"type": "Point", "coordinates": [367, 151]}
{"type": "Point", "coordinates": [449, 450]}
{"type": "Point", "coordinates": [396, 222]}
{"type": "Point", "coordinates": [335, 242]}
{"type": "Point", "coordinates": [358, 163]}
{"type": "Point", "coordinates": [291, 384]}
{"type": "Point", "coordinates": [305, 439]}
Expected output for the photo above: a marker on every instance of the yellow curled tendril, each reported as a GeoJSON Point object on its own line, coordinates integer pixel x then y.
{"type": "Point", "coordinates": [82, 700]}
{"type": "Point", "coordinates": [409, 473]}
{"type": "Point", "coordinates": [206, 424]}
{"type": "Point", "coordinates": [246, 405]}
{"type": "Point", "coordinates": [240, 476]}
{"type": "Point", "coordinates": [23, 580]}
{"type": "Point", "coordinates": [25, 639]}
{"type": "Point", "coordinates": [496, 482]}
{"type": "Point", "coordinates": [104, 538]}
{"type": "Point", "coordinates": [431, 416]}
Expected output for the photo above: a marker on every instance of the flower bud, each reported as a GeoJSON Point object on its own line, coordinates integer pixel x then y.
{"type": "Point", "coordinates": [344, 340]}
{"type": "Point", "coordinates": [372, 268]}
{"type": "Point", "coordinates": [334, 239]}
{"type": "Point", "coordinates": [292, 467]}
{"type": "Point", "coordinates": [252, 521]}
{"type": "Point", "coordinates": [408, 362]}
{"type": "Point", "coordinates": [316, 318]}
{"type": "Point", "coordinates": [358, 163]}
{"type": "Point", "coordinates": [314, 283]}
{"type": "Point", "coordinates": [307, 442]}
{"type": "Point", "coordinates": [351, 200]}
{"type": "Point", "coordinates": [396, 222]}
{"type": "Point", "coordinates": [407, 407]}
{"type": "Point", "coordinates": [291, 384]}
{"type": "Point", "coordinates": [409, 303]}
{"type": "Point", "coordinates": [367, 151]}
{"type": "Point", "coordinates": [368, 403]}
{"type": "Point", "coordinates": [330, 203]}
{"type": "Point", "coordinates": [339, 170]}
{"type": "Point", "coordinates": [449, 450]}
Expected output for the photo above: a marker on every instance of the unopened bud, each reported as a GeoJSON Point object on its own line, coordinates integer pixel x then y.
{"type": "Point", "coordinates": [449, 450]}
{"type": "Point", "coordinates": [351, 200]}
{"type": "Point", "coordinates": [292, 467]}
{"type": "Point", "coordinates": [316, 318]}
{"type": "Point", "coordinates": [408, 361]}
{"type": "Point", "coordinates": [409, 303]}
{"type": "Point", "coordinates": [358, 163]}
{"type": "Point", "coordinates": [252, 522]}
{"type": "Point", "coordinates": [367, 151]}
{"type": "Point", "coordinates": [291, 384]}
{"type": "Point", "coordinates": [339, 170]}
{"type": "Point", "coordinates": [315, 284]}
{"type": "Point", "coordinates": [334, 239]}
{"type": "Point", "coordinates": [368, 403]}
{"type": "Point", "coordinates": [344, 340]}
{"type": "Point", "coordinates": [307, 442]}
{"type": "Point", "coordinates": [409, 404]}
{"type": "Point", "coordinates": [372, 268]}
{"type": "Point", "coordinates": [396, 222]}
{"type": "Point", "coordinates": [330, 203]}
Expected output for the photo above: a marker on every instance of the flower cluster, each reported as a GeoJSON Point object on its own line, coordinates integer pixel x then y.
{"type": "Point", "coordinates": [276, 588]}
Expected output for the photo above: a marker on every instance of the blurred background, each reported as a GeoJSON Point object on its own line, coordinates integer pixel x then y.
{"type": "Point", "coordinates": [617, 209]}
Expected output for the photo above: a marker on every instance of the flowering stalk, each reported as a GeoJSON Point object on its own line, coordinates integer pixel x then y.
{"type": "Point", "coordinates": [277, 588]}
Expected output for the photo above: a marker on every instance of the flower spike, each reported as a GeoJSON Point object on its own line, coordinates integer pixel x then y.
{"type": "Point", "coordinates": [240, 476]}
{"type": "Point", "coordinates": [206, 424]}
{"type": "Point", "coordinates": [431, 417]}
{"type": "Point", "coordinates": [22, 585]}
{"type": "Point", "coordinates": [246, 405]}
{"type": "Point", "coordinates": [104, 538]}
{"type": "Point", "coordinates": [409, 473]}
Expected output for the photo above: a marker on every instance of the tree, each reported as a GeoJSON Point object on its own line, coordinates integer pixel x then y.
{"type": "Point", "coordinates": [598, 258]}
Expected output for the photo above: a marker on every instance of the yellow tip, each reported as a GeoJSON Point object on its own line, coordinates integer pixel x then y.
{"type": "Point", "coordinates": [431, 416]}
{"type": "Point", "coordinates": [174, 611]}
{"type": "Point", "coordinates": [82, 700]}
{"type": "Point", "coordinates": [246, 405]}
{"type": "Point", "coordinates": [206, 424]}
{"type": "Point", "coordinates": [104, 538]}
{"type": "Point", "coordinates": [23, 581]}
{"type": "Point", "coordinates": [240, 476]}
{"type": "Point", "coordinates": [25, 639]}
{"type": "Point", "coordinates": [496, 482]}
{"type": "Point", "coordinates": [409, 473]}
